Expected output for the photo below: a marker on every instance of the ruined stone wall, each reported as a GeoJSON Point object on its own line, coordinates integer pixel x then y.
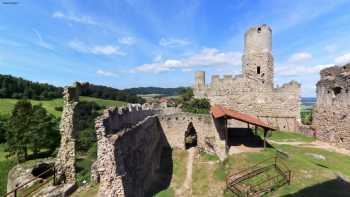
{"type": "Point", "coordinates": [253, 92]}
{"type": "Point", "coordinates": [331, 116]}
{"type": "Point", "coordinates": [210, 135]}
{"type": "Point", "coordinates": [133, 155]}
{"type": "Point", "coordinates": [65, 161]}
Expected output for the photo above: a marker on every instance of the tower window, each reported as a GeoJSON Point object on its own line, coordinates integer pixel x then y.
{"type": "Point", "coordinates": [259, 29]}
{"type": "Point", "coordinates": [337, 90]}
{"type": "Point", "coordinates": [258, 70]}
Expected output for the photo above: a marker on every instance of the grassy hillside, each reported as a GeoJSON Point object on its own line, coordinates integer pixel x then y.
{"type": "Point", "coordinates": [6, 105]}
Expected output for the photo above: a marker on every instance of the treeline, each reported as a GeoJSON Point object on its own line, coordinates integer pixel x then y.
{"type": "Point", "coordinates": [18, 88]}
{"type": "Point", "coordinates": [104, 92]}
{"type": "Point", "coordinates": [156, 90]}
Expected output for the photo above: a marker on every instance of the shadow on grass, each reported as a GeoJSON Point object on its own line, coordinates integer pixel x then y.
{"type": "Point", "coordinates": [337, 187]}
{"type": "Point", "coordinates": [246, 137]}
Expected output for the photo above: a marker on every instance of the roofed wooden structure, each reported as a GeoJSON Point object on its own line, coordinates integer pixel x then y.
{"type": "Point", "coordinates": [219, 112]}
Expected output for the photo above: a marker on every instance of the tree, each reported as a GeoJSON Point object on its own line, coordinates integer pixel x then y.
{"type": "Point", "coordinates": [30, 127]}
{"type": "Point", "coordinates": [18, 133]}
{"type": "Point", "coordinates": [199, 106]}
{"type": "Point", "coordinates": [3, 122]}
{"type": "Point", "coordinates": [186, 94]}
{"type": "Point", "coordinates": [44, 131]}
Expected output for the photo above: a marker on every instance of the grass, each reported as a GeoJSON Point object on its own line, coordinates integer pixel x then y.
{"type": "Point", "coordinates": [307, 172]}
{"type": "Point", "coordinates": [283, 136]}
{"type": "Point", "coordinates": [91, 191]}
{"type": "Point", "coordinates": [83, 165]}
{"type": "Point", "coordinates": [7, 105]}
{"type": "Point", "coordinates": [5, 166]}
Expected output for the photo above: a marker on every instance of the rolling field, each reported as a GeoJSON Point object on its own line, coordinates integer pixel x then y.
{"type": "Point", "coordinates": [6, 105]}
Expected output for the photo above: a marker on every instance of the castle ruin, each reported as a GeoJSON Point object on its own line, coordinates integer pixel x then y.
{"type": "Point", "coordinates": [253, 92]}
{"type": "Point", "coordinates": [331, 116]}
{"type": "Point", "coordinates": [65, 162]}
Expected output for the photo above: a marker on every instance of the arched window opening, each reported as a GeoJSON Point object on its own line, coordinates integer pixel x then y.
{"type": "Point", "coordinates": [190, 136]}
{"type": "Point", "coordinates": [337, 90]}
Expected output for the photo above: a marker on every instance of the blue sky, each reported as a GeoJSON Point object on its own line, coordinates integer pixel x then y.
{"type": "Point", "coordinates": [127, 43]}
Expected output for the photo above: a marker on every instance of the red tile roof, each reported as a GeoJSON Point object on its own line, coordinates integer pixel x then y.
{"type": "Point", "coordinates": [219, 111]}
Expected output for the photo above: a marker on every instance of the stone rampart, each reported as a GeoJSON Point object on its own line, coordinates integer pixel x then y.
{"type": "Point", "coordinates": [133, 154]}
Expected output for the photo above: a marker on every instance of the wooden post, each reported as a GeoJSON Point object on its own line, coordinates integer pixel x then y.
{"type": "Point", "coordinates": [256, 130]}
{"type": "Point", "coordinates": [226, 135]}
{"type": "Point", "coordinates": [265, 132]}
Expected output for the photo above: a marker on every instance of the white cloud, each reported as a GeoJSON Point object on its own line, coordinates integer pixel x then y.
{"type": "Point", "coordinates": [343, 59]}
{"type": "Point", "coordinates": [299, 57]}
{"type": "Point", "coordinates": [206, 57]}
{"type": "Point", "coordinates": [158, 58]}
{"type": "Point", "coordinates": [106, 73]}
{"type": "Point", "coordinates": [300, 70]}
{"type": "Point", "coordinates": [173, 42]}
{"type": "Point", "coordinates": [331, 48]}
{"type": "Point", "coordinates": [127, 40]}
{"type": "Point", "coordinates": [96, 50]}
{"type": "Point", "coordinates": [77, 19]}
{"type": "Point", "coordinates": [41, 42]}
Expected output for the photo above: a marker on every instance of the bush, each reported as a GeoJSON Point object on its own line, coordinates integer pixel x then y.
{"type": "Point", "coordinates": [198, 106]}
{"type": "Point", "coordinates": [59, 108]}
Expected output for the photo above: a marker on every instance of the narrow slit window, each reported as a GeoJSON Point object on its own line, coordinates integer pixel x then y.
{"type": "Point", "coordinates": [258, 70]}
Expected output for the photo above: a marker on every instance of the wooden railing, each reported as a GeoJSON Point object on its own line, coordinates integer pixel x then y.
{"type": "Point", "coordinates": [235, 181]}
{"type": "Point", "coordinates": [21, 188]}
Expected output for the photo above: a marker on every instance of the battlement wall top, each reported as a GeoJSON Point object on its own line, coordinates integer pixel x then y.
{"type": "Point", "coordinates": [115, 119]}
{"type": "Point", "coordinates": [331, 73]}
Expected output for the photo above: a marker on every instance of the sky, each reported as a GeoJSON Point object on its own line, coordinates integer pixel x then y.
{"type": "Point", "coordinates": [129, 43]}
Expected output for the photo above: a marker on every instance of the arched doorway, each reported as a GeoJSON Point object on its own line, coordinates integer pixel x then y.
{"type": "Point", "coordinates": [190, 136]}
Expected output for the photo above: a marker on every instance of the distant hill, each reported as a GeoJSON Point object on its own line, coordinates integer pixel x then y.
{"type": "Point", "coordinates": [18, 88]}
{"type": "Point", "coordinates": [308, 101]}
{"type": "Point", "coordinates": [155, 90]}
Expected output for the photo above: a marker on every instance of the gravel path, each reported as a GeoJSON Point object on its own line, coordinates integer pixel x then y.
{"type": "Point", "coordinates": [316, 144]}
{"type": "Point", "coordinates": [186, 189]}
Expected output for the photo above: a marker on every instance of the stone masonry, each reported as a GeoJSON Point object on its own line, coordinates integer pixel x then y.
{"type": "Point", "coordinates": [253, 92]}
{"type": "Point", "coordinates": [65, 162]}
{"type": "Point", "coordinates": [134, 148]}
{"type": "Point", "coordinates": [331, 116]}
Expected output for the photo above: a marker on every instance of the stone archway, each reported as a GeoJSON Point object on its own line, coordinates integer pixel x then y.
{"type": "Point", "coordinates": [190, 136]}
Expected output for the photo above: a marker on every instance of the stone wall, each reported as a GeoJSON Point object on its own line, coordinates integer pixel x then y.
{"type": "Point", "coordinates": [134, 148]}
{"type": "Point", "coordinates": [133, 154]}
{"type": "Point", "coordinates": [65, 162]}
{"type": "Point", "coordinates": [210, 135]}
{"type": "Point", "coordinates": [331, 116]}
{"type": "Point", "coordinates": [253, 92]}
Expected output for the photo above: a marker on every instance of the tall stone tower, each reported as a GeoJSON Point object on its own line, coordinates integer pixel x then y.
{"type": "Point", "coordinates": [199, 84]}
{"type": "Point", "coordinates": [257, 58]}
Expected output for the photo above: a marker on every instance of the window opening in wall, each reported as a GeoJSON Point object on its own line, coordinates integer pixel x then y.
{"type": "Point", "coordinates": [337, 90]}
{"type": "Point", "coordinates": [259, 29]}
{"type": "Point", "coordinates": [258, 70]}
{"type": "Point", "coordinates": [190, 136]}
